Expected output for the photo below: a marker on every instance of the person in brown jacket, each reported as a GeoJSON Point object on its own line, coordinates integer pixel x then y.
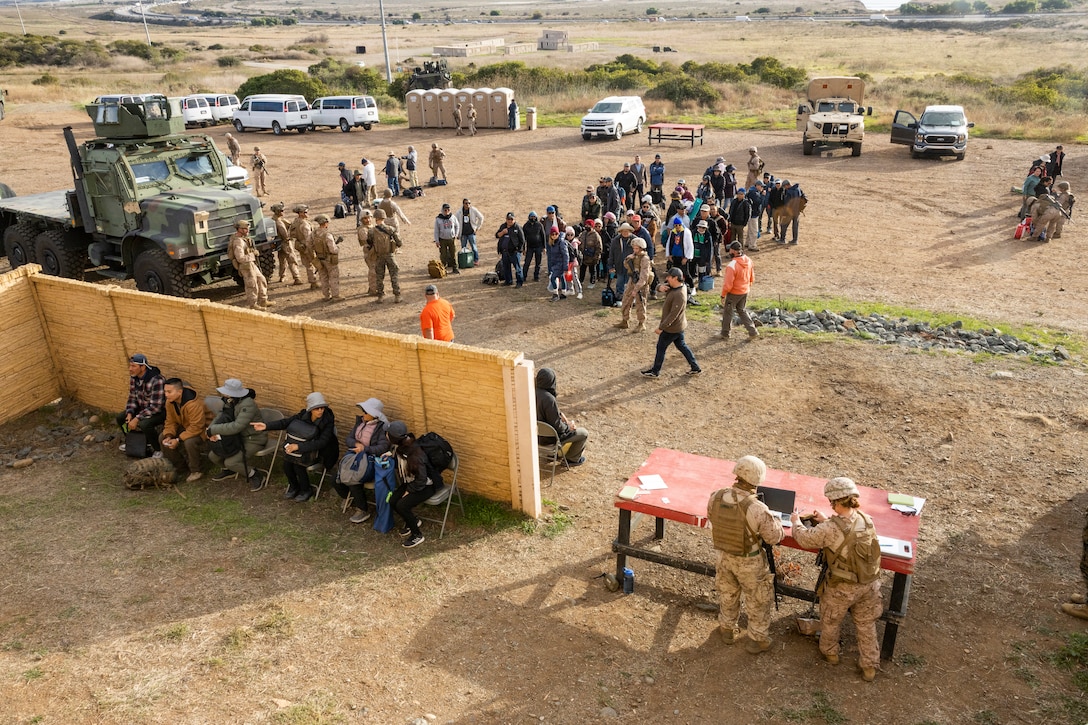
{"type": "Point", "coordinates": [183, 434]}
{"type": "Point", "coordinates": [674, 320]}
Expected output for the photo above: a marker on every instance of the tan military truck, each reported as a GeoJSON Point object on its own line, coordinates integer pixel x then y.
{"type": "Point", "coordinates": [833, 115]}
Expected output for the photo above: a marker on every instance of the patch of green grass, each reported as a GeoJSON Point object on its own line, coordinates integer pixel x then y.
{"type": "Point", "coordinates": [320, 710]}
{"type": "Point", "coordinates": [601, 313]}
{"type": "Point", "coordinates": [489, 514]}
{"type": "Point", "coordinates": [175, 633]}
{"type": "Point", "coordinates": [821, 710]}
{"type": "Point", "coordinates": [1073, 657]}
{"type": "Point", "coordinates": [15, 645]}
{"type": "Point", "coordinates": [223, 517]}
{"type": "Point", "coordinates": [555, 520]}
{"type": "Point", "coordinates": [908, 660]}
{"type": "Point", "coordinates": [1026, 675]}
{"type": "Point", "coordinates": [1036, 335]}
{"type": "Point", "coordinates": [33, 674]}
{"type": "Point", "coordinates": [237, 638]}
{"type": "Point", "coordinates": [277, 623]}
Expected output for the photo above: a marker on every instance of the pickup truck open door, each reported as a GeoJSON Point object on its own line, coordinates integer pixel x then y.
{"type": "Point", "coordinates": [904, 127]}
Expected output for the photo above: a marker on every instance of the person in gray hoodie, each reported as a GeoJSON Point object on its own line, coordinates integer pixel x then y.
{"type": "Point", "coordinates": [447, 229]}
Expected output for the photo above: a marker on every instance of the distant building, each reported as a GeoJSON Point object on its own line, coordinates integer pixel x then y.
{"type": "Point", "coordinates": [558, 40]}
{"type": "Point", "coordinates": [487, 46]}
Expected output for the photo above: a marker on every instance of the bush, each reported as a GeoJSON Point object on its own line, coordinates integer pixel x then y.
{"type": "Point", "coordinates": [651, 11]}
{"type": "Point", "coordinates": [684, 90]}
{"type": "Point", "coordinates": [1019, 7]}
{"type": "Point", "coordinates": [341, 77]}
{"type": "Point", "coordinates": [538, 15]}
{"type": "Point", "coordinates": [46, 79]}
{"type": "Point", "coordinates": [1055, 5]}
{"type": "Point", "coordinates": [283, 81]}
{"type": "Point", "coordinates": [48, 50]}
{"type": "Point", "coordinates": [228, 61]}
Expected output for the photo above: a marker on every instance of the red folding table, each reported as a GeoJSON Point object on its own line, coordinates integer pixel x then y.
{"type": "Point", "coordinates": [690, 481]}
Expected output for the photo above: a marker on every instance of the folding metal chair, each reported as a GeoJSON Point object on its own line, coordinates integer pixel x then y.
{"type": "Point", "coordinates": [445, 496]}
{"type": "Point", "coordinates": [271, 415]}
{"type": "Point", "coordinates": [550, 448]}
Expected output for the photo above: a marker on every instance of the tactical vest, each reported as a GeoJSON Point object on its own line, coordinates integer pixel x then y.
{"type": "Point", "coordinates": [857, 559]}
{"type": "Point", "coordinates": [729, 518]}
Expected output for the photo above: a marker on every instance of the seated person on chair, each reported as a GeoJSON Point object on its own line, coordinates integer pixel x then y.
{"type": "Point", "coordinates": [184, 433]}
{"type": "Point", "coordinates": [320, 447]}
{"type": "Point", "coordinates": [146, 407]}
{"type": "Point", "coordinates": [365, 442]}
{"type": "Point", "coordinates": [572, 438]}
{"type": "Point", "coordinates": [234, 441]}
{"type": "Point", "coordinates": [413, 485]}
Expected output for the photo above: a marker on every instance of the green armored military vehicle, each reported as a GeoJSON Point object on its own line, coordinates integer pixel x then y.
{"type": "Point", "coordinates": [150, 202]}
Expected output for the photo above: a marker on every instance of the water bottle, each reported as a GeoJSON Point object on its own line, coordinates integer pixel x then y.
{"type": "Point", "coordinates": [628, 581]}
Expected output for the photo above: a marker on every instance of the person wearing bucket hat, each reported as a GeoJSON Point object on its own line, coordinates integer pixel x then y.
{"type": "Point", "coordinates": [851, 551]}
{"type": "Point", "coordinates": [311, 438]}
{"type": "Point", "coordinates": [413, 484]}
{"type": "Point", "coordinates": [755, 167]}
{"type": "Point", "coordinates": [741, 524]}
{"type": "Point", "coordinates": [233, 438]}
{"type": "Point", "coordinates": [146, 407]}
{"type": "Point", "coordinates": [365, 442]}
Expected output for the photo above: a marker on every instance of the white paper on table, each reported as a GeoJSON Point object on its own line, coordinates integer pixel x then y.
{"type": "Point", "coordinates": [651, 482]}
{"type": "Point", "coordinates": [915, 510]}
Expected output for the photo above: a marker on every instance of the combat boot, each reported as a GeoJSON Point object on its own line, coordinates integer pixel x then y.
{"type": "Point", "coordinates": [1080, 611]}
{"type": "Point", "coordinates": [868, 673]}
{"type": "Point", "coordinates": [728, 636]}
{"type": "Point", "coordinates": [641, 327]}
{"type": "Point", "coordinates": [622, 324]}
{"type": "Point", "coordinates": [830, 659]}
{"type": "Point", "coordinates": [396, 298]}
{"type": "Point", "coordinates": [754, 647]}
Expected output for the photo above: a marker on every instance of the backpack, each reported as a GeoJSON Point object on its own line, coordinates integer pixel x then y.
{"type": "Point", "coordinates": [339, 211]}
{"type": "Point", "coordinates": [608, 295]}
{"type": "Point", "coordinates": [436, 182]}
{"type": "Point", "coordinates": [490, 278]}
{"type": "Point", "coordinates": [439, 455]}
{"type": "Point", "coordinates": [301, 431]}
{"type": "Point", "coordinates": [412, 192]}
{"type": "Point", "coordinates": [436, 269]}
{"type": "Point", "coordinates": [227, 445]}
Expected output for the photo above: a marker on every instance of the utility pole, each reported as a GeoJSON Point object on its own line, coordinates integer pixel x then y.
{"type": "Point", "coordinates": [385, 44]}
{"type": "Point", "coordinates": [143, 14]}
{"type": "Point", "coordinates": [21, 24]}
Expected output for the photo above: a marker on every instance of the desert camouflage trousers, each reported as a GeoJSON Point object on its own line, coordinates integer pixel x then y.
{"type": "Point", "coordinates": [636, 300]}
{"type": "Point", "coordinates": [371, 259]}
{"type": "Point", "coordinates": [387, 262]}
{"type": "Point", "coordinates": [328, 274]}
{"type": "Point", "coordinates": [750, 576]}
{"type": "Point", "coordinates": [864, 602]}
{"type": "Point", "coordinates": [256, 284]}
{"type": "Point", "coordinates": [309, 262]}
{"type": "Point", "coordinates": [288, 260]}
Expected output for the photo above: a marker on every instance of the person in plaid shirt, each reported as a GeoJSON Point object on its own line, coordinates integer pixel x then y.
{"type": "Point", "coordinates": [146, 407]}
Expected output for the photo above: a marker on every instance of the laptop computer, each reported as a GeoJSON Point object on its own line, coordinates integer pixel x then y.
{"type": "Point", "coordinates": [779, 501]}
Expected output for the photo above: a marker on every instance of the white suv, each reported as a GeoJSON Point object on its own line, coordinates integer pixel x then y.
{"type": "Point", "coordinates": [613, 117]}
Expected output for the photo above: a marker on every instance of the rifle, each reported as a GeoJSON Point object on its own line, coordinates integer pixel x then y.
{"type": "Point", "coordinates": [769, 550]}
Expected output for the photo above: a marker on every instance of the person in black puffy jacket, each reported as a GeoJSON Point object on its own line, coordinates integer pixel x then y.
{"type": "Point", "coordinates": [324, 443]}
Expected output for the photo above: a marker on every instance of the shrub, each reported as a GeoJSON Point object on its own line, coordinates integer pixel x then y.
{"type": "Point", "coordinates": [46, 79]}
{"type": "Point", "coordinates": [216, 46]}
{"type": "Point", "coordinates": [538, 15]}
{"type": "Point", "coordinates": [684, 90]}
{"type": "Point", "coordinates": [1019, 7]}
{"type": "Point", "coordinates": [1055, 5]}
{"type": "Point", "coordinates": [651, 11]}
{"type": "Point", "coordinates": [283, 81]}
{"type": "Point", "coordinates": [494, 13]}
{"type": "Point", "coordinates": [134, 48]}
{"type": "Point", "coordinates": [228, 61]}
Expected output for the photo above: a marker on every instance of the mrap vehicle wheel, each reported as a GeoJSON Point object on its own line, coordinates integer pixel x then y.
{"type": "Point", "coordinates": [6, 192]}
{"type": "Point", "coordinates": [156, 272]}
{"type": "Point", "coordinates": [266, 262]}
{"type": "Point", "coordinates": [19, 245]}
{"type": "Point", "coordinates": [58, 256]}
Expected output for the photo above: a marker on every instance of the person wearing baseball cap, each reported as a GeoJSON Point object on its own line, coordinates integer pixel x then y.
{"type": "Point", "coordinates": [626, 181]}
{"type": "Point", "coordinates": [851, 549]}
{"type": "Point", "coordinates": [511, 248]}
{"type": "Point", "coordinates": [145, 410]}
{"type": "Point", "coordinates": [674, 320]}
{"type": "Point", "coordinates": [609, 196]}
{"type": "Point", "coordinates": [447, 228]}
{"type": "Point", "coordinates": [591, 204]}
{"type": "Point", "coordinates": [740, 213]}
{"type": "Point", "coordinates": [436, 319]}
{"type": "Point", "coordinates": [736, 284]}
{"type": "Point", "coordinates": [680, 248]}
{"type": "Point", "coordinates": [393, 168]}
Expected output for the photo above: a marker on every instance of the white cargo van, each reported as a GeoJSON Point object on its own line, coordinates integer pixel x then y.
{"type": "Point", "coordinates": [195, 110]}
{"type": "Point", "coordinates": [347, 112]}
{"type": "Point", "coordinates": [223, 106]}
{"type": "Point", "coordinates": [273, 110]}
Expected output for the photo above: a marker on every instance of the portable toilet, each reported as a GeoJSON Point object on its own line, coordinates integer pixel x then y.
{"type": "Point", "coordinates": [500, 102]}
{"type": "Point", "coordinates": [447, 98]}
{"type": "Point", "coordinates": [481, 99]}
{"type": "Point", "coordinates": [431, 115]}
{"type": "Point", "coordinates": [414, 102]}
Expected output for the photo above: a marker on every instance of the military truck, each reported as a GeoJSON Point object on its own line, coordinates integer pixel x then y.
{"type": "Point", "coordinates": [149, 202]}
{"type": "Point", "coordinates": [832, 114]}
{"type": "Point", "coordinates": [433, 74]}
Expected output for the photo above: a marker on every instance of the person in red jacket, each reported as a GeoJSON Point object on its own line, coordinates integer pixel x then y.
{"type": "Point", "coordinates": [738, 280]}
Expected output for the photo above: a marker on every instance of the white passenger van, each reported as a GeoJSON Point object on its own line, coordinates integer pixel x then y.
{"type": "Point", "coordinates": [273, 110]}
{"type": "Point", "coordinates": [195, 110]}
{"type": "Point", "coordinates": [223, 105]}
{"type": "Point", "coordinates": [347, 112]}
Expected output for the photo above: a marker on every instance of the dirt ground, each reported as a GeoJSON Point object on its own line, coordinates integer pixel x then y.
{"type": "Point", "coordinates": [224, 606]}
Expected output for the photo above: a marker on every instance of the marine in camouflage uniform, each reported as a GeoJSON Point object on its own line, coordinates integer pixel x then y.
{"type": "Point", "coordinates": [366, 225]}
{"type": "Point", "coordinates": [260, 172]}
{"type": "Point", "coordinates": [243, 255]}
{"type": "Point", "coordinates": [234, 148]}
{"type": "Point", "coordinates": [639, 278]}
{"type": "Point", "coordinates": [301, 234]}
{"type": "Point", "coordinates": [385, 241]}
{"type": "Point", "coordinates": [1077, 607]}
{"type": "Point", "coordinates": [327, 259]}
{"type": "Point", "coordinates": [740, 524]}
{"type": "Point", "coordinates": [853, 579]}
{"type": "Point", "coordinates": [288, 259]}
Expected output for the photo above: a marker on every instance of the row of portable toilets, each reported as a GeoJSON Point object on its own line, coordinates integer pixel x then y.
{"type": "Point", "coordinates": [434, 108]}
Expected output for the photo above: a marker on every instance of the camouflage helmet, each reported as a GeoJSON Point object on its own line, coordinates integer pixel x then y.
{"type": "Point", "coordinates": [750, 471]}
{"type": "Point", "coordinates": [299, 208]}
{"type": "Point", "coordinates": [241, 223]}
{"type": "Point", "coordinates": [839, 488]}
{"type": "Point", "coordinates": [322, 218]}
{"type": "Point", "coordinates": [277, 208]}
{"type": "Point", "coordinates": [379, 213]}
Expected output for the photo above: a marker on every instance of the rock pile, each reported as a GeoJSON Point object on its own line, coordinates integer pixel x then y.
{"type": "Point", "coordinates": [902, 331]}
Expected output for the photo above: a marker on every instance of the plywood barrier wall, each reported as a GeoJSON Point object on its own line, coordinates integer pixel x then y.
{"type": "Point", "coordinates": [75, 338]}
{"type": "Point", "coordinates": [29, 373]}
